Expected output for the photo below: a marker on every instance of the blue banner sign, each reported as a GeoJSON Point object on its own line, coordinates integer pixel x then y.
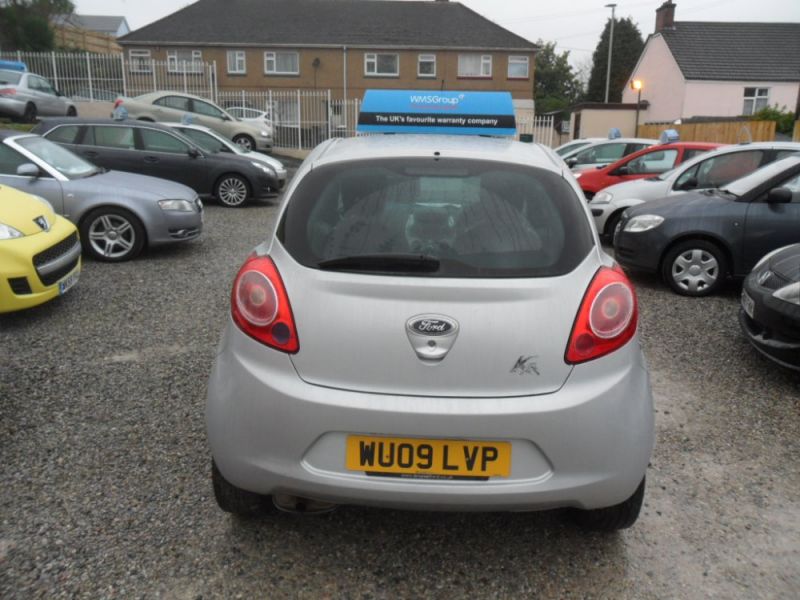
{"type": "Point", "coordinates": [414, 111]}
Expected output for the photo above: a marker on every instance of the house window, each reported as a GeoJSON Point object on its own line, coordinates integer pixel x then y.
{"type": "Point", "coordinates": [282, 63]}
{"type": "Point", "coordinates": [475, 65]}
{"type": "Point", "coordinates": [426, 65]}
{"type": "Point", "coordinates": [236, 62]}
{"type": "Point", "coordinates": [518, 67]}
{"type": "Point", "coordinates": [755, 99]}
{"type": "Point", "coordinates": [140, 61]}
{"type": "Point", "coordinates": [382, 65]}
{"type": "Point", "coordinates": [184, 61]}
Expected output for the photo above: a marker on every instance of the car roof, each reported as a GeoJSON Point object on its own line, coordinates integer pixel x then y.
{"type": "Point", "coordinates": [422, 145]}
{"type": "Point", "coordinates": [161, 93]}
{"type": "Point", "coordinates": [51, 122]}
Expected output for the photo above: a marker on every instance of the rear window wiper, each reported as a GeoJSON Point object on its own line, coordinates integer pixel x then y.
{"type": "Point", "coordinates": [382, 262]}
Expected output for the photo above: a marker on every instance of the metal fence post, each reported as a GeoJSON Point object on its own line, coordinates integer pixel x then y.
{"type": "Point", "coordinates": [215, 83]}
{"type": "Point", "coordinates": [243, 99]}
{"type": "Point", "coordinates": [89, 75]}
{"type": "Point", "coordinates": [153, 68]}
{"type": "Point", "coordinates": [55, 70]}
{"type": "Point", "coordinates": [19, 56]}
{"type": "Point", "coordinates": [122, 67]}
{"type": "Point", "coordinates": [329, 113]}
{"type": "Point", "coordinates": [185, 88]}
{"type": "Point", "coordinates": [299, 119]}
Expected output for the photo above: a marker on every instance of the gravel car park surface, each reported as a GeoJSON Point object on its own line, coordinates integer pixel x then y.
{"type": "Point", "coordinates": [105, 467]}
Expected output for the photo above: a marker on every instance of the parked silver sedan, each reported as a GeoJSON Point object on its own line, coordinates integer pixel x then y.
{"type": "Point", "coordinates": [433, 325]}
{"type": "Point", "coordinates": [27, 96]}
{"type": "Point", "coordinates": [173, 107]}
{"type": "Point", "coordinates": [117, 213]}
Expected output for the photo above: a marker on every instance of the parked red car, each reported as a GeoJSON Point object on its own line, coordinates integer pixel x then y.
{"type": "Point", "coordinates": [649, 162]}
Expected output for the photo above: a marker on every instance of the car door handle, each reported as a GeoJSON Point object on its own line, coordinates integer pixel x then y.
{"type": "Point", "coordinates": [90, 153]}
{"type": "Point", "coordinates": [151, 159]}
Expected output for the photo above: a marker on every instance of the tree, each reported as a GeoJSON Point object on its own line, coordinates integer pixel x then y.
{"type": "Point", "coordinates": [26, 24]}
{"type": "Point", "coordinates": [628, 46]}
{"type": "Point", "coordinates": [556, 85]}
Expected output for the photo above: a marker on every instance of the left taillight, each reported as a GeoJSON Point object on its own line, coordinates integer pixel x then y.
{"type": "Point", "coordinates": [8, 92]}
{"type": "Point", "coordinates": [260, 306]}
{"type": "Point", "coordinates": [607, 318]}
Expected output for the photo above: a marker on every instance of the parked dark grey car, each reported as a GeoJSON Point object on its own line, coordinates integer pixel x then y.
{"type": "Point", "coordinates": [152, 149]}
{"type": "Point", "coordinates": [695, 240]}
{"type": "Point", "coordinates": [770, 313]}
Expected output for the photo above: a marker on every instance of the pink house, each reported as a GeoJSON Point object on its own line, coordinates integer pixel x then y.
{"type": "Point", "coordinates": [715, 69]}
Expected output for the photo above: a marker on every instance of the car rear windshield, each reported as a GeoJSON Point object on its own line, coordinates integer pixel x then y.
{"type": "Point", "coordinates": [458, 217]}
{"type": "Point", "coordinates": [9, 77]}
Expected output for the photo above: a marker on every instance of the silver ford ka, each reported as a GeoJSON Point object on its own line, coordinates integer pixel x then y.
{"type": "Point", "coordinates": [432, 325]}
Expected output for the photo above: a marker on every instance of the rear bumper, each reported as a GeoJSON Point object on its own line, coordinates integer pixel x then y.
{"type": "Point", "coordinates": [587, 445]}
{"type": "Point", "coordinates": [12, 107]}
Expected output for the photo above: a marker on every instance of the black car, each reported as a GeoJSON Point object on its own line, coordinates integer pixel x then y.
{"type": "Point", "coordinates": [696, 240]}
{"type": "Point", "coordinates": [770, 313]}
{"type": "Point", "coordinates": [152, 149]}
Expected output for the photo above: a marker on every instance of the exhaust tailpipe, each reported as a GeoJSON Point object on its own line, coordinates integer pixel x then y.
{"type": "Point", "coordinates": [296, 504]}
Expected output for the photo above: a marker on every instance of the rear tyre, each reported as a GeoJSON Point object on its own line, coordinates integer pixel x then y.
{"type": "Point", "coordinates": [245, 141]}
{"type": "Point", "coordinates": [612, 518]}
{"type": "Point", "coordinates": [232, 190]}
{"type": "Point", "coordinates": [72, 112]}
{"type": "Point", "coordinates": [30, 113]}
{"type": "Point", "coordinates": [694, 268]}
{"type": "Point", "coordinates": [236, 500]}
{"type": "Point", "coordinates": [112, 234]}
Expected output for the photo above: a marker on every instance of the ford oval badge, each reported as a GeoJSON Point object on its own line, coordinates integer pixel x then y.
{"type": "Point", "coordinates": [433, 326]}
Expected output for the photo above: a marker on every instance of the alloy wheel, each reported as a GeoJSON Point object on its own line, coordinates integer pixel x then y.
{"type": "Point", "coordinates": [232, 191]}
{"type": "Point", "coordinates": [112, 236]}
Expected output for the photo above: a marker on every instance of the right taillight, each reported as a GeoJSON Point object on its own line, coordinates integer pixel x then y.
{"type": "Point", "coordinates": [606, 319]}
{"type": "Point", "coordinates": [260, 306]}
{"type": "Point", "coordinates": [118, 102]}
{"type": "Point", "coordinates": [8, 92]}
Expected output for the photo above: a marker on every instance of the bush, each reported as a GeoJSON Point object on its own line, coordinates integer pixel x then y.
{"type": "Point", "coordinates": [784, 120]}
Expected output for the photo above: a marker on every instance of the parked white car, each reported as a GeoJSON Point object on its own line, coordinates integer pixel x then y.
{"type": "Point", "coordinates": [709, 170]}
{"type": "Point", "coordinates": [573, 145]}
{"type": "Point", "coordinates": [605, 152]}
{"type": "Point", "coordinates": [173, 107]}
{"type": "Point", "coordinates": [250, 114]}
{"type": "Point", "coordinates": [26, 96]}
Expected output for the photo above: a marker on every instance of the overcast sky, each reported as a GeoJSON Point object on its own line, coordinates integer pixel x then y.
{"type": "Point", "coordinates": [576, 25]}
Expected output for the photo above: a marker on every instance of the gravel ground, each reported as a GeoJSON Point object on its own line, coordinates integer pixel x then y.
{"type": "Point", "coordinates": [105, 466]}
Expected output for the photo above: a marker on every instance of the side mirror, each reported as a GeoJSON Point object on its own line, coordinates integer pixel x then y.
{"type": "Point", "coordinates": [28, 170]}
{"type": "Point", "coordinates": [194, 153]}
{"type": "Point", "coordinates": [226, 118]}
{"type": "Point", "coordinates": [689, 184]}
{"type": "Point", "coordinates": [623, 170]}
{"type": "Point", "coordinates": [59, 94]}
{"type": "Point", "coordinates": [571, 162]}
{"type": "Point", "coordinates": [779, 195]}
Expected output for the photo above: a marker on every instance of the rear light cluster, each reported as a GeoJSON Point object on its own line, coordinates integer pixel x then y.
{"type": "Point", "coordinates": [8, 92]}
{"type": "Point", "coordinates": [607, 317]}
{"type": "Point", "coordinates": [117, 102]}
{"type": "Point", "coordinates": [260, 306]}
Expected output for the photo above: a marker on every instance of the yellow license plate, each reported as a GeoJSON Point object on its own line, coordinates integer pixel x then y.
{"type": "Point", "coordinates": [418, 457]}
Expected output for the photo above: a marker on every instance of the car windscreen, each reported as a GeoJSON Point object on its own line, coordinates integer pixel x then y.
{"type": "Point", "coordinates": [451, 217]}
{"type": "Point", "coordinates": [61, 159]}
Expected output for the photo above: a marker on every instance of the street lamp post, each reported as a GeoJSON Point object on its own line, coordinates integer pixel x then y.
{"type": "Point", "coordinates": [636, 84]}
{"type": "Point", "coordinates": [610, 46]}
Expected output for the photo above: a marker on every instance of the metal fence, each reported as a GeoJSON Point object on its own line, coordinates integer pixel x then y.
{"type": "Point", "coordinates": [103, 77]}
{"type": "Point", "coordinates": [301, 118]}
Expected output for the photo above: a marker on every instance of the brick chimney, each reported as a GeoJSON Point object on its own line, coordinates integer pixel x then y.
{"type": "Point", "coordinates": [665, 16]}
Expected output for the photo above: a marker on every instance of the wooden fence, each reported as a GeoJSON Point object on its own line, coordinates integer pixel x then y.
{"type": "Point", "coordinates": [719, 132]}
{"type": "Point", "coordinates": [796, 136]}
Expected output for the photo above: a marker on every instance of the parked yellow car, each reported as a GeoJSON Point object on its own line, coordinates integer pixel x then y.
{"type": "Point", "coordinates": [40, 253]}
